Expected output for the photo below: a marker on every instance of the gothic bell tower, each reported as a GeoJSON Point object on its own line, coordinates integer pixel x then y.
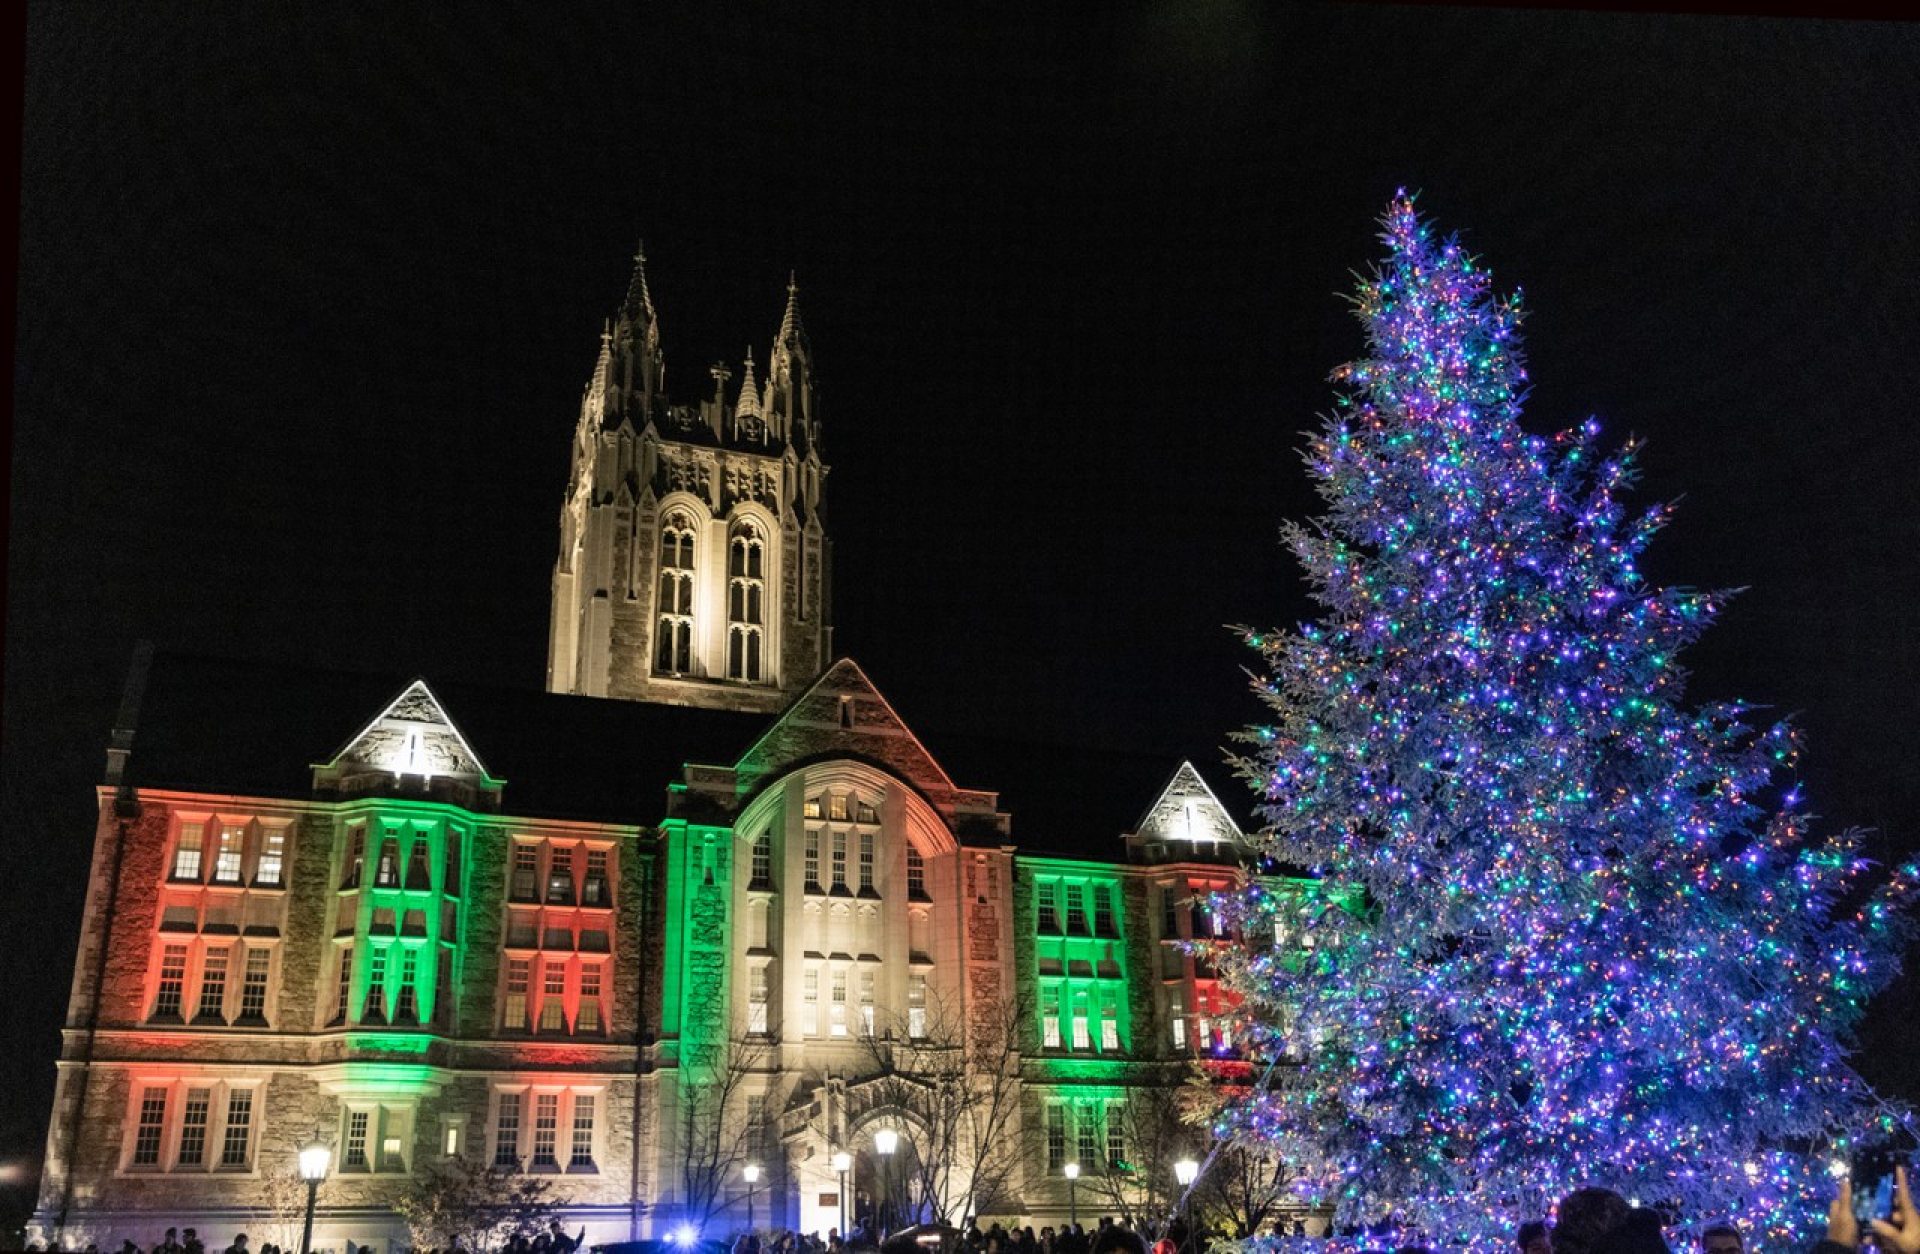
{"type": "Point", "coordinates": [693, 565]}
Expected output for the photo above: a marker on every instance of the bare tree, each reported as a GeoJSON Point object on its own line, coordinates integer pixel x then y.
{"type": "Point", "coordinates": [1154, 1123]}
{"type": "Point", "coordinates": [281, 1211]}
{"type": "Point", "coordinates": [953, 1083]}
{"type": "Point", "coordinates": [718, 1134]}
{"type": "Point", "coordinates": [462, 1205]}
{"type": "Point", "coordinates": [1246, 1188]}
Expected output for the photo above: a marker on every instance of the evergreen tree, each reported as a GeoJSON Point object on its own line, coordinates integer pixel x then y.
{"type": "Point", "coordinates": [1601, 943]}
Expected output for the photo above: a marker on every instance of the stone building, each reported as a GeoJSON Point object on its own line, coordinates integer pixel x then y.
{"type": "Point", "coordinates": [744, 916]}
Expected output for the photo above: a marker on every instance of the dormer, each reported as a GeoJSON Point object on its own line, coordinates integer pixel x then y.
{"type": "Point", "coordinates": [1186, 823]}
{"type": "Point", "coordinates": [411, 749]}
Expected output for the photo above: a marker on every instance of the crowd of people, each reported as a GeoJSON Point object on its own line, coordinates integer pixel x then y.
{"type": "Point", "coordinates": [1108, 1237]}
{"type": "Point", "coordinates": [551, 1240]}
{"type": "Point", "coordinates": [1587, 1221]}
{"type": "Point", "coordinates": [1600, 1221]}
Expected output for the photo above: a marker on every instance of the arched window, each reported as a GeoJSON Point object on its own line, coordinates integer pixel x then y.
{"type": "Point", "coordinates": [746, 601]}
{"type": "Point", "coordinates": [674, 652]}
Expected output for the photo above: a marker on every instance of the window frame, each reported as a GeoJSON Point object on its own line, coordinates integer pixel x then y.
{"type": "Point", "coordinates": [171, 1128]}
{"type": "Point", "coordinates": [566, 1132]}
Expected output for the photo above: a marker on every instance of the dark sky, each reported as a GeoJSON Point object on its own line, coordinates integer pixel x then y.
{"type": "Point", "coordinates": [308, 296]}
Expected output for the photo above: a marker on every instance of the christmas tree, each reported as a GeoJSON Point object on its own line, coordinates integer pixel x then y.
{"type": "Point", "coordinates": [1601, 942]}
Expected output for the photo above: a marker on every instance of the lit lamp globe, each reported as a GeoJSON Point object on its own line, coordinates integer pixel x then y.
{"type": "Point", "coordinates": [314, 1161]}
{"type": "Point", "coordinates": [843, 1161]}
{"type": "Point", "coordinates": [1186, 1171]}
{"type": "Point", "coordinates": [1072, 1171]}
{"type": "Point", "coordinates": [750, 1173]}
{"type": "Point", "coordinates": [886, 1140]}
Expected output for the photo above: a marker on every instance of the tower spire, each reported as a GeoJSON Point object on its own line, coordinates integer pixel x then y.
{"type": "Point", "coordinates": [638, 307]}
{"type": "Point", "coordinates": [749, 403]}
{"type": "Point", "coordinates": [790, 329]}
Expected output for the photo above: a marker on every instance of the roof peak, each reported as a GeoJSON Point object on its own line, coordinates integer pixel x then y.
{"type": "Point", "coordinates": [791, 330]}
{"type": "Point", "coordinates": [749, 402]}
{"type": "Point", "coordinates": [639, 298]}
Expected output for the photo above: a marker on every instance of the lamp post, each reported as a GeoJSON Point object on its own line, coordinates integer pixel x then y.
{"type": "Point", "coordinates": [751, 1174]}
{"type": "Point", "coordinates": [843, 1163]}
{"type": "Point", "coordinates": [314, 1161]}
{"type": "Point", "coordinates": [885, 1141]}
{"type": "Point", "coordinates": [1186, 1171]}
{"type": "Point", "coordinates": [1072, 1171]}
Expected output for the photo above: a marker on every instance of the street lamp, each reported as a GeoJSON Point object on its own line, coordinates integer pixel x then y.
{"type": "Point", "coordinates": [751, 1174]}
{"type": "Point", "coordinates": [1073, 1200]}
{"type": "Point", "coordinates": [1186, 1171]}
{"type": "Point", "coordinates": [885, 1141]}
{"type": "Point", "coordinates": [843, 1163]}
{"type": "Point", "coordinates": [314, 1161]}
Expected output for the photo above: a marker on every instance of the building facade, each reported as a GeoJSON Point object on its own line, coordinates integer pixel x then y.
{"type": "Point", "coordinates": [745, 917]}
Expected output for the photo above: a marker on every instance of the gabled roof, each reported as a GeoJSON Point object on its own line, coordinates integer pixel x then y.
{"type": "Point", "coordinates": [412, 736]}
{"type": "Point", "coordinates": [1188, 810]}
{"type": "Point", "coordinates": [842, 713]}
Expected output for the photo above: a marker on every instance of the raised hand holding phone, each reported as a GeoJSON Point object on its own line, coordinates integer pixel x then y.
{"type": "Point", "coordinates": [1902, 1234]}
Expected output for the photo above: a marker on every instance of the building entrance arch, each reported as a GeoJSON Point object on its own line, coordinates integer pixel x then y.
{"type": "Point", "coordinates": [888, 1143]}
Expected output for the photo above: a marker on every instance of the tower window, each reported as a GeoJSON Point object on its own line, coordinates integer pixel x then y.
{"type": "Point", "coordinates": [553, 996]}
{"type": "Point", "coordinates": [916, 874]}
{"type": "Point", "coordinates": [173, 982]}
{"type": "Point", "coordinates": [594, 891]}
{"type": "Point", "coordinates": [153, 1121]}
{"type": "Point", "coordinates": [253, 986]}
{"type": "Point", "coordinates": [226, 861]}
{"type": "Point", "coordinates": [386, 873]}
{"type": "Point", "coordinates": [356, 855]}
{"type": "Point", "coordinates": [525, 871]}
{"type": "Point", "coordinates": [419, 879]}
{"type": "Point", "coordinates": [560, 878]}
{"type": "Point", "coordinates": [514, 1018]}
{"type": "Point", "coordinates": [273, 856]}
{"type": "Point", "coordinates": [186, 854]}
{"type": "Point", "coordinates": [675, 649]}
{"type": "Point", "coordinates": [746, 597]}
{"type": "Point", "coordinates": [763, 860]}
{"type": "Point", "coordinates": [506, 1142]}
{"type": "Point", "coordinates": [450, 865]}
{"type": "Point", "coordinates": [590, 1016]}
{"type": "Point", "coordinates": [916, 1006]}
{"type": "Point", "coordinates": [343, 984]}
{"type": "Point", "coordinates": [757, 991]}
{"type": "Point", "coordinates": [213, 987]}
{"type": "Point", "coordinates": [376, 1007]}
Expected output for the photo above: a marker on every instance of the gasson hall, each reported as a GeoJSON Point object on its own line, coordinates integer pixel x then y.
{"type": "Point", "coordinates": [697, 932]}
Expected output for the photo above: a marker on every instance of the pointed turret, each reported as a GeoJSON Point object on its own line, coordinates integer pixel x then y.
{"type": "Point", "coordinates": [636, 337]}
{"type": "Point", "coordinates": [749, 404]}
{"type": "Point", "coordinates": [790, 371]}
{"type": "Point", "coordinates": [792, 334]}
{"type": "Point", "coordinates": [602, 381]}
{"type": "Point", "coordinates": [638, 307]}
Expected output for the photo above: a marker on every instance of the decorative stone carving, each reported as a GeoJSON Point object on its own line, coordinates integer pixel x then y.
{"type": "Point", "coordinates": [689, 472]}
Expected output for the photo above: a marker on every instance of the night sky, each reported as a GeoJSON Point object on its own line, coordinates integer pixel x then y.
{"type": "Point", "coordinates": [308, 296]}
